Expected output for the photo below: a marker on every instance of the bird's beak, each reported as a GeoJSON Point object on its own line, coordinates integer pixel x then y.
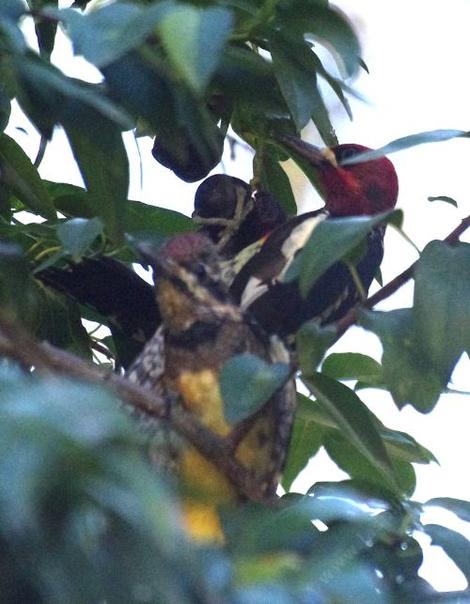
{"type": "Point", "coordinates": [150, 253]}
{"type": "Point", "coordinates": [314, 155]}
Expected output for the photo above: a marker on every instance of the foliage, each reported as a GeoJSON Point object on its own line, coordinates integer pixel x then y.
{"type": "Point", "coordinates": [82, 516]}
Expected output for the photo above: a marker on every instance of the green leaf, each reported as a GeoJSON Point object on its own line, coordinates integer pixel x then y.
{"type": "Point", "coordinates": [247, 382]}
{"type": "Point", "coordinates": [457, 506]}
{"type": "Point", "coordinates": [455, 545]}
{"type": "Point", "coordinates": [49, 97]}
{"type": "Point", "coordinates": [45, 29]}
{"type": "Point", "coordinates": [103, 163]}
{"type": "Point", "coordinates": [21, 176]}
{"type": "Point", "coordinates": [77, 480]}
{"type": "Point", "coordinates": [296, 81]}
{"type": "Point", "coordinates": [330, 241]}
{"type": "Point", "coordinates": [358, 582]}
{"type": "Point", "coordinates": [359, 467]}
{"type": "Point", "coordinates": [305, 441]}
{"type": "Point", "coordinates": [137, 217]}
{"type": "Point", "coordinates": [321, 119]}
{"type": "Point", "coordinates": [58, 321]}
{"type": "Point", "coordinates": [442, 314]}
{"type": "Point", "coordinates": [405, 371]}
{"type": "Point", "coordinates": [12, 9]}
{"type": "Point", "coordinates": [445, 199]}
{"type": "Point", "coordinates": [328, 25]}
{"type": "Point", "coordinates": [402, 446]}
{"type": "Point", "coordinates": [194, 39]}
{"type": "Point", "coordinates": [106, 34]}
{"type": "Point", "coordinates": [16, 298]}
{"type": "Point", "coordinates": [354, 420]}
{"type": "Point", "coordinates": [5, 108]}
{"type": "Point", "coordinates": [312, 341]}
{"type": "Point", "coordinates": [352, 366]}
{"type": "Point", "coordinates": [423, 344]}
{"type": "Point", "coordinates": [78, 234]}
{"type": "Point", "coordinates": [275, 180]}
{"type": "Point", "coordinates": [421, 138]}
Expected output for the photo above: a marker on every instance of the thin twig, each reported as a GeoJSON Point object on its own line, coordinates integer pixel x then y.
{"type": "Point", "coordinates": [387, 290]}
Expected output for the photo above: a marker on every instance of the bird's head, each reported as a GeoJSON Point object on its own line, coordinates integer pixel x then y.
{"type": "Point", "coordinates": [188, 280]}
{"type": "Point", "coordinates": [232, 214]}
{"type": "Point", "coordinates": [364, 188]}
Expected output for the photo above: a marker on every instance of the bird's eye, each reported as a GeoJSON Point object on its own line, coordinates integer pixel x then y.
{"type": "Point", "coordinates": [200, 271]}
{"type": "Point", "coordinates": [345, 153]}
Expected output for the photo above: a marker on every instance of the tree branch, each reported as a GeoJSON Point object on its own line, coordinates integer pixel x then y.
{"type": "Point", "coordinates": [16, 343]}
{"type": "Point", "coordinates": [387, 290]}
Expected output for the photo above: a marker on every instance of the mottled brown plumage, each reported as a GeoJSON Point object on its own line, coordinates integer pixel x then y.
{"type": "Point", "coordinates": [201, 330]}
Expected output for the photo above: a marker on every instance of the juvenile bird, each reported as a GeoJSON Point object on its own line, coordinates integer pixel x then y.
{"type": "Point", "coordinates": [201, 329]}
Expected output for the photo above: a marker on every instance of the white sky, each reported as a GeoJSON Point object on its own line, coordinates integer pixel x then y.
{"type": "Point", "coordinates": [417, 54]}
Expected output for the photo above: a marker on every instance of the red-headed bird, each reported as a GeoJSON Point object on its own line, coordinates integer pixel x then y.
{"type": "Point", "coordinates": [366, 188]}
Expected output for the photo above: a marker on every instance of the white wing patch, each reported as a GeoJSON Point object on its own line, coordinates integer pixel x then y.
{"type": "Point", "coordinates": [298, 237]}
{"type": "Point", "coordinates": [253, 290]}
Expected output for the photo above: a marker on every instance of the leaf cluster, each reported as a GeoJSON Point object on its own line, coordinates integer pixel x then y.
{"type": "Point", "coordinates": [82, 517]}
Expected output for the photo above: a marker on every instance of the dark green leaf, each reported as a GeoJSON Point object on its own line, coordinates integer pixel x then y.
{"type": "Point", "coordinates": [16, 296]}
{"type": "Point", "coordinates": [405, 370]}
{"type": "Point", "coordinates": [77, 483]}
{"type": "Point", "coordinates": [58, 321]}
{"type": "Point", "coordinates": [12, 9]}
{"type": "Point", "coordinates": [296, 81]}
{"type": "Point", "coordinates": [402, 446]}
{"type": "Point", "coordinates": [357, 583]}
{"type": "Point", "coordinates": [106, 34]}
{"type": "Point", "coordinates": [194, 39]}
{"type": "Point", "coordinates": [139, 217]}
{"type": "Point", "coordinates": [351, 366]}
{"type": "Point", "coordinates": [455, 545]}
{"type": "Point", "coordinates": [135, 82]}
{"type": "Point", "coordinates": [103, 162]}
{"type": "Point", "coordinates": [5, 108]}
{"type": "Point", "coordinates": [321, 119]}
{"type": "Point", "coordinates": [423, 344]}
{"type": "Point", "coordinates": [78, 234]}
{"type": "Point", "coordinates": [442, 313]}
{"type": "Point", "coordinates": [328, 25]}
{"type": "Point", "coordinates": [305, 441]}
{"type": "Point", "coordinates": [354, 420]}
{"type": "Point", "coordinates": [247, 382]}
{"type": "Point", "coordinates": [275, 180]}
{"type": "Point", "coordinates": [337, 86]}
{"type": "Point", "coordinates": [312, 341]}
{"type": "Point", "coordinates": [457, 506]}
{"type": "Point", "coordinates": [49, 97]}
{"type": "Point", "coordinates": [432, 136]}
{"type": "Point", "coordinates": [444, 198]}
{"type": "Point", "coordinates": [330, 241]}
{"type": "Point", "coordinates": [360, 467]}
{"type": "Point", "coordinates": [45, 28]}
{"type": "Point", "coordinates": [21, 176]}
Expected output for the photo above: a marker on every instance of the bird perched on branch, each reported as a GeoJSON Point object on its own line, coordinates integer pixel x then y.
{"type": "Point", "coordinates": [261, 285]}
{"type": "Point", "coordinates": [201, 329]}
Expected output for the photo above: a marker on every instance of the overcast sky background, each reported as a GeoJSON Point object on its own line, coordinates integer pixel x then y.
{"type": "Point", "coordinates": [417, 54]}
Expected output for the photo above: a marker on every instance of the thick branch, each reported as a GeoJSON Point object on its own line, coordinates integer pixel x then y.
{"type": "Point", "coordinates": [387, 290]}
{"type": "Point", "coordinates": [17, 344]}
